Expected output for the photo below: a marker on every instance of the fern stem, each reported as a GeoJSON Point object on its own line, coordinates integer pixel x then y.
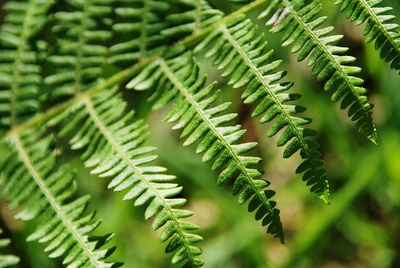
{"type": "Point", "coordinates": [116, 146]}
{"type": "Point", "coordinates": [189, 97]}
{"type": "Point", "coordinates": [50, 197]}
{"type": "Point", "coordinates": [373, 136]}
{"type": "Point", "coordinates": [128, 73]}
{"type": "Point", "coordinates": [314, 167]}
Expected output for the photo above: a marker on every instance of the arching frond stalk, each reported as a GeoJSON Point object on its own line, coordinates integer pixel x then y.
{"type": "Point", "coordinates": [380, 27]}
{"type": "Point", "coordinates": [300, 23]}
{"type": "Point", "coordinates": [19, 69]}
{"type": "Point", "coordinates": [241, 51]}
{"type": "Point", "coordinates": [114, 149]}
{"type": "Point", "coordinates": [6, 260]}
{"type": "Point", "coordinates": [33, 181]}
{"type": "Point", "coordinates": [178, 80]}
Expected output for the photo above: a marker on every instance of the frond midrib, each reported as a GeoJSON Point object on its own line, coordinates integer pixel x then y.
{"type": "Point", "coordinates": [210, 125]}
{"type": "Point", "coordinates": [117, 148]}
{"type": "Point", "coordinates": [16, 70]}
{"type": "Point", "coordinates": [51, 199]}
{"type": "Point", "coordinates": [268, 90]}
{"type": "Point", "coordinates": [337, 66]}
{"type": "Point", "coordinates": [127, 73]}
{"type": "Point", "coordinates": [372, 15]}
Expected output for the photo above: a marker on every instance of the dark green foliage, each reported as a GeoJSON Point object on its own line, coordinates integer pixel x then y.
{"type": "Point", "coordinates": [113, 148]}
{"type": "Point", "coordinates": [6, 260]}
{"type": "Point", "coordinates": [81, 32]}
{"type": "Point", "coordinates": [380, 27]}
{"type": "Point", "coordinates": [300, 24]}
{"type": "Point", "coordinates": [241, 51]}
{"type": "Point", "coordinates": [179, 80]}
{"type": "Point", "coordinates": [33, 181]}
{"type": "Point", "coordinates": [19, 69]}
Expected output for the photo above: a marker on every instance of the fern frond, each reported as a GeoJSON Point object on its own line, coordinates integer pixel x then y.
{"type": "Point", "coordinates": [379, 27]}
{"type": "Point", "coordinates": [240, 50]}
{"type": "Point", "coordinates": [300, 25]}
{"type": "Point", "coordinates": [80, 51]}
{"type": "Point", "coordinates": [34, 182]}
{"type": "Point", "coordinates": [178, 80]}
{"type": "Point", "coordinates": [6, 260]}
{"type": "Point", "coordinates": [114, 149]}
{"type": "Point", "coordinates": [138, 30]}
{"type": "Point", "coordinates": [195, 16]}
{"type": "Point", "coordinates": [19, 69]}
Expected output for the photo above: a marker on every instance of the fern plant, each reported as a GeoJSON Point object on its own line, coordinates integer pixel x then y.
{"type": "Point", "coordinates": [63, 65]}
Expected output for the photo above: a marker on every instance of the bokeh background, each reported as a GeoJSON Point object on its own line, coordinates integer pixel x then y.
{"type": "Point", "coordinates": [360, 228]}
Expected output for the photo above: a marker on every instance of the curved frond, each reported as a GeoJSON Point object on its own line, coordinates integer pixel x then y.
{"type": "Point", "coordinates": [34, 182]}
{"type": "Point", "coordinates": [178, 80]}
{"type": "Point", "coordinates": [301, 29]}
{"type": "Point", "coordinates": [80, 51]}
{"type": "Point", "coordinates": [6, 260]}
{"type": "Point", "coordinates": [19, 69]}
{"type": "Point", "coordinates": [242, 52]}
{"type": "Point", "coordinates": [114, 149]}
{"type": "Point", "coordinates": [380, 27]}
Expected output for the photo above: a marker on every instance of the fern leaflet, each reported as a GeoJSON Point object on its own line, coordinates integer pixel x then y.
{"type": "Point", "coordinates": [379, 27]}
{"type": "Point", "coordinates": [6, 260]}
{"type": "Point", "coordinates": [299, 22]}
{"type": "Point", "coordinates": [114, 148]}
{"type": "Point", "coordinates": [19, 69]}
{"type": "Point", "coordinates": [245, 58]}
{"type": "Point", "coordinates": [178, 80]}
{"type": "Point", "coordinates": [33, 180]}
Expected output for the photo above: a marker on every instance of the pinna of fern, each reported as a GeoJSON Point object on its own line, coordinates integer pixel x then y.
{"type": "Point", "coordinates": [33, 181]}
{"type": "Point", "coordinates": [113, 145]}
{"type": "Point", "coordinates": [241, 51]}
{"type": "Point", "coordinates": [178, 79]}
{"type": "Point", "coordinates": [6, 260]}
{"type": "Point", "coordinates": [77, 58]}
{"type": "Point", "coordinates": [379, 27]}
{"type": "Point", "coordinates": [19, 68]}
{"type": "Point", "coordinates": [299, 22]}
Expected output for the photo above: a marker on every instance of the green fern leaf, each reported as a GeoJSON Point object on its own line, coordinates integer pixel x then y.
{"type": "Point", "coordinates": [379, 27]}
{"type": "Point", "coordinates": [192, 17]}
{"type": "Point", "coordinates": [33, 181]}
{"type": "Point", "coordinates": [77, 59]}
{"type": "Point", "coordinates": [240, 50]}
{"type": "Point", "coordinates": [300, 23]}
{"type": "Point", "coordinates": [138, 30]}
{"type": "Point", "coordinates": [178, 80]}
{"type": "Point", "coordinates": [19, 69]}
{"type": "Point", "coordinates": [114, 149]}
{"type": "Point", "coordinates": [6, 260]}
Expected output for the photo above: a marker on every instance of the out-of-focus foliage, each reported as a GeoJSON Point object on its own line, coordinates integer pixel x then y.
{"type": "Point", "coordinates": [361, 227]}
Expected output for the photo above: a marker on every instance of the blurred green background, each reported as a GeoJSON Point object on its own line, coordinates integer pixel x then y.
{"type": "Point", "coordinates": [361, 227]}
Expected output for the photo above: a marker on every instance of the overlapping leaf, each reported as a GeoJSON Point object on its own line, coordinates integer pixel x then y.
{"type": "Point", "coordinates": [33, 181]}
{"type": "Point", "coordinates": [380, 27]}
{"type": "Point", "coordinates": [300, 24]}
{"type": "Point", "coordinates": [241, 51]}
{"type": "Point", "coordinates": [178, 80]}
{"type": "Point", "coordinates": [113, 148]}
